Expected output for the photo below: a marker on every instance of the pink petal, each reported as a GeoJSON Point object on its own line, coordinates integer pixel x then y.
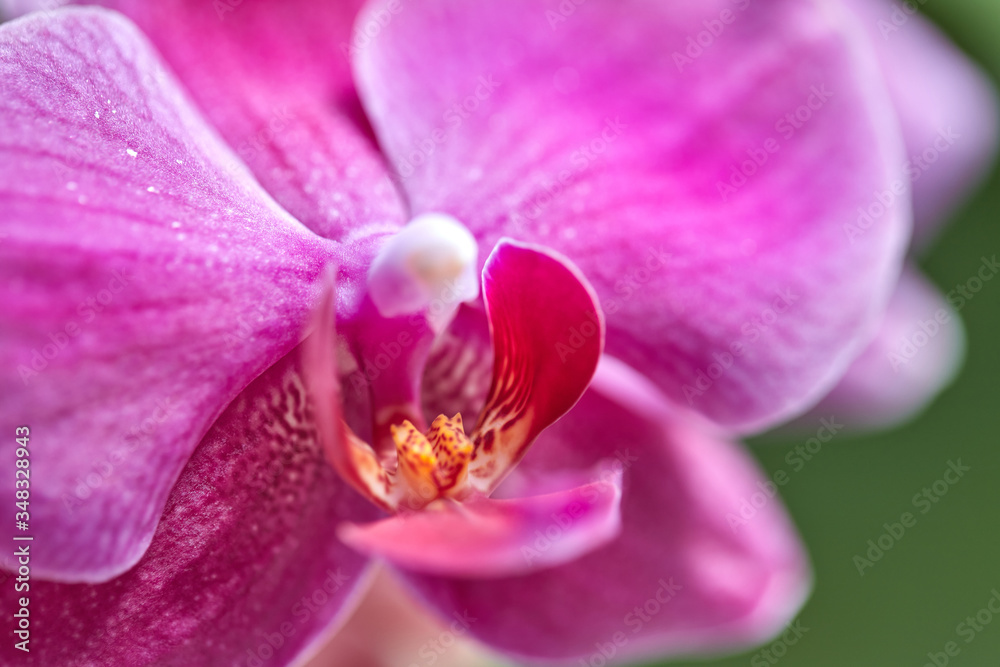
{"type": "Point", "coordinates": [687, 573]}
{"type": "Point", "coordinates": [273, 76]}
{"type": "Point", "coordinates": [143, 285]}
{"type": "Point", "coordinates": [915, 356]}
{"type": "Point", "coordinates": [573, 126]}
{"type": "Point", "coordinates": [389, 628]}
{"type": "Point", "coordinates": [244, 563]}
{"type": "Point", "coordinates": [947, 106]}
{"type": "Point", "coordinates": [494, 538]}
{"type": "Point", "coordinates": [353, 458]}
{"type": "Point", "coordinates": [10, 9]}
{"type": "Point", "coordinates": [548, 335]}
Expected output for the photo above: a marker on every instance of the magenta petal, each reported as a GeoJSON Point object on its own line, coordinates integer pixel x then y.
{"type": "Point", "coordinates": [353, 458]}
{"type": "Point", "coordinates": [946, 104]}
{"type": "Point", "coordinates": [10, 9]}
{"type": "Point", "coordinates": [714, 580]}
{"type": "Point", "coordinates": [244, 563]}
{"type": "Point", "coordinates": [143, 285]}
{"type": "Point", "coordinates": [390, 627]}
{"type": "Point", "coordinates": [273, 76]}
{"type": "Point", "coordinates": [916, 354]}
{"type": "Point", "coordinates": [485, 538]}
{"type": "Point", "coordinates": [547, 332]}
{"type": "Point", "coordinates": [591, 134]}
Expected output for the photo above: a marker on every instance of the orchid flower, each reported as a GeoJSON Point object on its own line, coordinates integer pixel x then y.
{"type": "Point", "coordinates": [485, 292]}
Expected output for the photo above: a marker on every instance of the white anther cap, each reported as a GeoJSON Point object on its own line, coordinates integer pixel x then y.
{"type": "Point", "coordinates": [430, 265]}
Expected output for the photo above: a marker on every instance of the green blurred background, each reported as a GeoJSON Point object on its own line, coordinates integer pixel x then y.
{"type": "Point", "coordinates": [944, 568]}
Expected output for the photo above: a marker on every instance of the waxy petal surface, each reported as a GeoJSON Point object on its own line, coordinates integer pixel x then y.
{"type": "Point", "coordinates": [548, 334]}
{"type": "Point", "coordinates": [246, 551]}
{"type": "Point", "coordinates": [587, 128]}
{"type": "Point", "coordinates": [485, 538]}
{"type": "Point", "coordinates": [144, 284]}
{"type": "Point", "coordinates": [947, 107]}
{"type": "Point", "coordinates": [916, 354]}
{"type": "Point", "coordinates": [711, 580]}
{"type": "Point", "coordinates": [274, 78]}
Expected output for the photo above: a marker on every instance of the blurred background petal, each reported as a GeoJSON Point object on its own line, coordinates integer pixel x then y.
{"type": "Point", "coordinates": [916, 354]}
{"type": "Point", "coordinates": [946, 104]}
{"type": "Point", "coordinates": [391, 628]}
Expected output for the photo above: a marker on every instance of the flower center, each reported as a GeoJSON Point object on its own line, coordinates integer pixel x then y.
{"type": "Point", "coordinates": [429, 265]}
{"type": "Point", "coordinates": [434, 464]}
